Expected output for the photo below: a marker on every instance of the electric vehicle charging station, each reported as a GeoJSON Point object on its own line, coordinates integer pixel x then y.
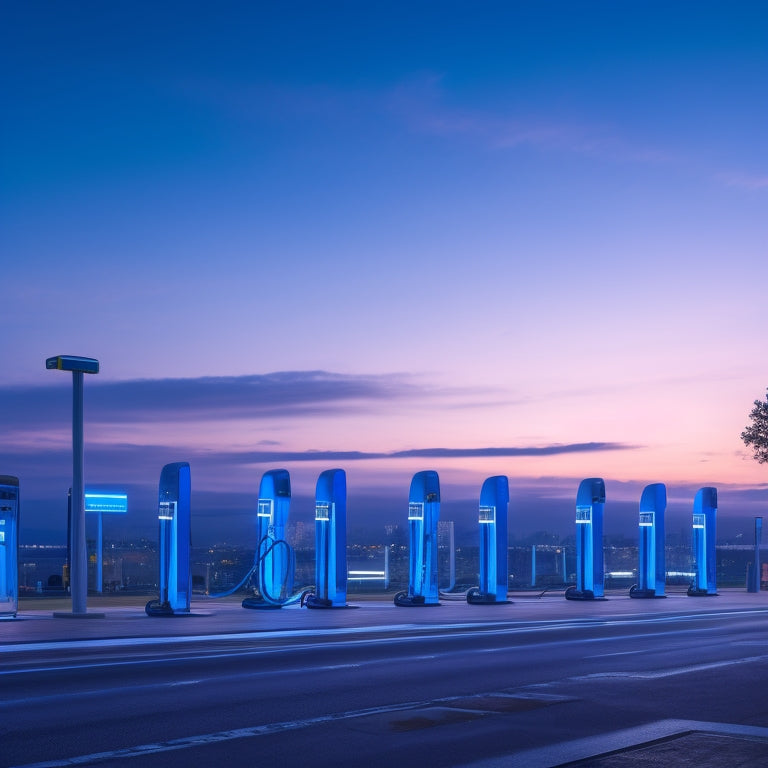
{"type": "Point", "coordinates": [704, 538]}
{"type": "Point", "coordinates": [651, 550]}
{"type": "Point", "coordinates": [9, 546]}
{"type": "Point", "coordinates": [492, 520]}
{"type": "Point", "coordinates": [330, 541]}
{"type": "Point", "coordinates": [423, 516]}
{"type": "Point", "coordinates": [274, 557]}
{"type": "Point", "coordinates": [590, 572]}
{"type": "Point", "coordinates": [173, 512]}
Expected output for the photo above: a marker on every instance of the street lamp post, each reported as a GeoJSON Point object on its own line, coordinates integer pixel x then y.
{"type": "Point", "coordinates": [79, 564]}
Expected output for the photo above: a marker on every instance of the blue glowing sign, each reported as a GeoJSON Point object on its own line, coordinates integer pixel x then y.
{"type": "Point", "coordinates": [110, 503]}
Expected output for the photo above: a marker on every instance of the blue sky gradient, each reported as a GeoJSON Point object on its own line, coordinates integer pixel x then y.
{"type": "Point", "coordinates": [471, 237]}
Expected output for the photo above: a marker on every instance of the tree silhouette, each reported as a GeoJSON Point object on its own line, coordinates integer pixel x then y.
{"type": "Point", "coordinates": [756, 434]}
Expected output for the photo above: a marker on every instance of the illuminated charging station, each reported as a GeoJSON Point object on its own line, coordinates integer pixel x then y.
{"type": "Point", "coordinates": [423, 515]}
{"type": "Point", "coordinates": [492, 520]}
{"type": "Point", "coordinates": [704, 538]}
{"type": "Point", "coordinates": [330, 541]}
{"type": "Point", "coordinates": [274, 557]}
{"type": "Point", "coordinates": [590, 573]}
{"type": "Point", "coordinates": [9, 546]}
{"type": "Point", "coordinates": [173, 513]}
{"type": "Point", "coordinates": [652, 572]}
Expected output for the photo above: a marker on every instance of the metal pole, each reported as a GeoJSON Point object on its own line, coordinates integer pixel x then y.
{"type": "Point", "coordinates": [79, 565]}
{"type": "Point", "coordinates": [100, 555]}
{"type": "Point", "coordinates": [565, 573]}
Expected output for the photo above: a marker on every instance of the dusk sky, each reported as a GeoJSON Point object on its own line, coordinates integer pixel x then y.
{"type": "Point", "coordinates": [517, 238]}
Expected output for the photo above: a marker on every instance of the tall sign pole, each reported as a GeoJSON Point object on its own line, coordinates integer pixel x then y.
{"type": "Point", "coordinates": [78, 578]}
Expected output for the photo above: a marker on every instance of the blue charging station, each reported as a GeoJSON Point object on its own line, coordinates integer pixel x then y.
{"type": "Point", "coordinates": [590, 572]}
{"type": "Point", "coordinates": [330, 542]}
{"type": "Point", "coordinates": [492, 520]}
{"type": "Point", "coordinates": [9, 546]}
{"type": "Point", "coordinates": [704, 538]}
{"type": "Point", "coordinates": [652, 572]}
{"type": "Point", "coordinates": [423, 515]}
{"type": "Point", "coordinates": [275, 563]}
{"type": "Point", "coordinates": [173, 512]}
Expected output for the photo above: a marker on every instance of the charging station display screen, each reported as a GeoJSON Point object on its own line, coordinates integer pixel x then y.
{"type": "Point", "coordinates": [699, 521]}
{"type": "Point", "coordinates": [167, 510]}
{"type": "Point", "coordinates": [416, 510]}
{"type": "Point", "coordinates": [646, 519]}
{"type": "Point", "coordinates": [487, 515]}
{"type": "Point", "coordinates": [322, 510]}
{"type": "Point", "coordinates": [265, 508]}
{"type": "Point", "coordinates": [583, 514]}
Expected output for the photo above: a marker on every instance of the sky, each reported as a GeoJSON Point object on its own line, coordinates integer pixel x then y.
{"type": "Point", "coordinates": [498, 238]}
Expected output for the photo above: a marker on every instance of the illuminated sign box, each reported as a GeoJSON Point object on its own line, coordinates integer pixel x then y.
{"type": "Point", "coordinates": [487, 515]}
{"type": "Point", "coordinates": [110, 503]}
{"type": "Point", "coordinates": [583, 514]}
{"type": "Point", "coordinates": [167, 510]}
{"type": "Point", "coordinates": [416, 510]}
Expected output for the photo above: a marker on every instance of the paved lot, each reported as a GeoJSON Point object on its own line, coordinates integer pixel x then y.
{"type": "Point", "coordinates": [664, 682]}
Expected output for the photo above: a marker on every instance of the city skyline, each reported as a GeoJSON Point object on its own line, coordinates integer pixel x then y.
{"type": "Point", "coordinates": [510, 239]}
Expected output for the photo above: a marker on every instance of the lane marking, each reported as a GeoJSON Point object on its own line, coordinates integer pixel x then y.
{"type": "Point", "coordinates": [309, 647]}
{"type": "Point", "coordinates": [504, 626]}
{"type": "Point", "coordinates": [187, 742]}
{"type": "Point", "coordinates": [670, 672]}
{"type": "Point", "coordinates": [615, 653]}
{"type": "Point", "coordinates": [163, 685]}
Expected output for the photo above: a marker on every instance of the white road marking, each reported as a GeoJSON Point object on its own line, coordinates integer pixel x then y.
{"type": "Point", "coordinates": [658, 674]}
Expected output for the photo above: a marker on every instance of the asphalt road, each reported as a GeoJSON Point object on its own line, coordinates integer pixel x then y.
{"type": "Point", "coordinates": [538, 682]}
